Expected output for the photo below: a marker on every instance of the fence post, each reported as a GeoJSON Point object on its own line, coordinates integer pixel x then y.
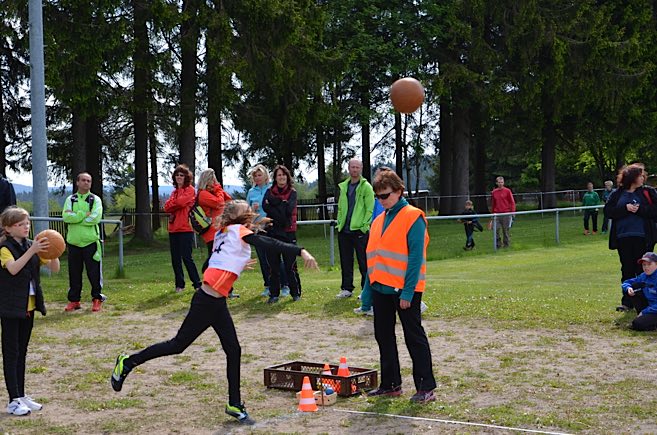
{"type": "Point", "coordinates": [557, 217]}
{"type": "Point", "coordinates": [495, 233]}
{"type": "Point", "coordinates": [332, 249]}
{"type": "Point", "coordinates": [121, 248]}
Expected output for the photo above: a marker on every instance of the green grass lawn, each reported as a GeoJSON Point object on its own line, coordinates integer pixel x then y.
{"type": "Point", "coordinates": [545, 312]}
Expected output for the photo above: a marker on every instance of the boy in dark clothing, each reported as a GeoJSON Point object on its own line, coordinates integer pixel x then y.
{"type": "Point", "coordinates": [469, 225]}
{"type": "Point", "coordinates": [643, 291]}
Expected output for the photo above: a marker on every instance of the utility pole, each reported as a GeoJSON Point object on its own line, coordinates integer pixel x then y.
{"type": "Point", "coordinates": [38, 118]}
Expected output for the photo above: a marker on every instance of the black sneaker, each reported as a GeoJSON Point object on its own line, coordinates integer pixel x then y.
{"type": "Point", "coordinates": [389, 392]}
{"type": "Point", "coordinates": [623, 308]}
{"type": "Point", "coordinates": [120, 372]}
{"type": "Point", "coordinates": [239, 412]}
{"type": "Point", "coordinates": [272, 299]}
{"type": "Point", "coordinates": [423, 397]}
{"type": "Point", "coordinates": [296, 298]}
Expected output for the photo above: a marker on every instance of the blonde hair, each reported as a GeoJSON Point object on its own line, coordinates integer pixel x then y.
{"type": "Point", "coordinates": [11, 216]}
{"type": "Point", "coordinates": [239, 212]}
{"type": "Point", "coordinates": [468, 202]}
{"type": "Point", "coordinates": [259, 168]}
{"type": "Point", "coordinates": [205, 179]}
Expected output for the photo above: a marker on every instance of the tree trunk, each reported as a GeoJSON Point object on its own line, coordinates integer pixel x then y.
{"type": "Point", "coordinates": [399, 146]}
{"type": "Point", "coordinates": [321, 172]}
{"type": "Point", "coordinates": [189, 30]}
{"type": "Point", "coordinates": [79, 150]}
{"type": "Point", "coordinates": [3, 128]}
{"type": "Point", "coordinates": [446, 157]}
{"type": "Point", "coordinates": [461, 158]}
{"type": "Point", "coordinates": [214, 42]}
{"type": "Point", "coordinates": [94, 154]}
{"type": "Point", "coordinates": [481, 138]}
{"type": "Point", "coordinates": [141, 92]}
{"type": "Point", "coordinates": [155, 188]}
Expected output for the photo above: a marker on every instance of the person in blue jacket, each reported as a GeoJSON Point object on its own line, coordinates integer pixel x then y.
{"type": "Point", "coordinates": [643, 291]}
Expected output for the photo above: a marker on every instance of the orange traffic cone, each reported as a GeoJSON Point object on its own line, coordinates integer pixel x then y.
{"type": "Point", "coordinates": [327, 370]}
{"type": "Point", "coordinates": [307, 399]}
{"type": "Point", "coordinates": [343, 370]}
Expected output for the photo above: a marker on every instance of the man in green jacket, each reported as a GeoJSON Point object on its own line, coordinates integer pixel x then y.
{"type": "Point", "coordinates": [82, 212]}
{"type": "Point", "coordinates": [355, 206]}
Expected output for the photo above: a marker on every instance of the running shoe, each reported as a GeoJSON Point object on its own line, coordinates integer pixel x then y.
{"type": "Point", "coordinates": [16, 407]}
{"type": "Point", "coordinates": [239, 412]}
{"type": "Point", "coordinates": [423, 397]}
{"type": "Point", "coordinates": [120, 372]}
{"type": "Point", "coordinates": [30, 403]}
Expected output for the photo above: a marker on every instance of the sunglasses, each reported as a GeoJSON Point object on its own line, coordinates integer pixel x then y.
{"type": "Point", "coordinates": [382, 195]}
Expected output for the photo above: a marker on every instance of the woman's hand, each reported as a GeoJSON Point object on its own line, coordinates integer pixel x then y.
{"type": "Point", "coordinates": [308, 260]}
{"type": "Point", "coordinates": [251, 264]}
{"type": "Point", "coordinates": [632, 208]}
{"type": "Point", "coordinates": [404, 304]}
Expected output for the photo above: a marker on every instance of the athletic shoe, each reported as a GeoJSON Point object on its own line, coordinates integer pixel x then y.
{"type": "Point", "coordinates": [265, 292]}
{"type": "Point", "coordinates": [386, 392]}
{"type": "Point", "coordinates": [16, 407]}
{"type": "Point", "coordinates": [423, 397]}
{"type": "Point", "coordinates": [96, 305]}
{"type": "Point", "coordinates": [272, 300]}
{"type": "Point", "coordinates": [285, 291]}
{"type": "Point", "coordinates": [423, 307]}
{"type": "Point", "coordinates": [120, 372]}
{"type": "Point", "coordinates": [239, 412]}
{"type": "Point", "coordinates": [232, 294]}
{"type": "Point", "coordinates": [295, 298]}
{"type": "Point", "coordinates": [344, 294]}
{"type": "Point", "coordinates": [30, 403]}
{"type": "Point", "coordinates": [623, 308]}
{"type": "Point", "coordinates": [369, 312]}
{"type": "Point", "coordinates": [180, 289]}
{"type": "Point", "coordinates": [72, 306]}
{"type": "Point", "coordinates": [586, 232]}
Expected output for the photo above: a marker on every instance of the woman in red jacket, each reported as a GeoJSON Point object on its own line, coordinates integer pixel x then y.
{"type": "Point", "coordinates": [212, 198]}
{"type": "Point", "coordinates": [181, 235]}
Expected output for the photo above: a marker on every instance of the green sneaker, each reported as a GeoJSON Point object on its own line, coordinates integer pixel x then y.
{"type": "Point", "coordinates": [239, 412]}
{"type": "Point", "coordinates": [120, 372]}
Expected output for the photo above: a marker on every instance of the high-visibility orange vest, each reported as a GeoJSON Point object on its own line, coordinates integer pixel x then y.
{"type": "Point", "coordinates": [387, 253]}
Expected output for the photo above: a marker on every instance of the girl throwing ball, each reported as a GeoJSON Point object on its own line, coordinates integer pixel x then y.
{"type": "Point", "coordinates": [231, 254]}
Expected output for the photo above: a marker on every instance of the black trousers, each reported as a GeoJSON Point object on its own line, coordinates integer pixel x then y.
{"type": "Point", "coordinates": [181, 246]}
{"type": "Point", "coordinates": [77, 259]}
{"type": "Point", "coordinates": [347, 244]}
{"type": "Point", "coordinates": [205, 311]}
{"type": "Point", "coordinates": [644, 322]}
{"type": "Point", "coordinates": [605, 221]}
{"type": "Point", "coordinates": [630, 249]}
{"type": "Point", "coordinates": [290, 262]}
{"type": "Point", "coordinates": [386, 309]}
{"type": "Point", "coordinates": [15, 338]}
{"type": "Point", "coordinates": [593, 214]}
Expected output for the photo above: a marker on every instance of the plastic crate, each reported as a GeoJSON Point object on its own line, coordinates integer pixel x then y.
{"type": "Point", "coordinates": [289, 376]}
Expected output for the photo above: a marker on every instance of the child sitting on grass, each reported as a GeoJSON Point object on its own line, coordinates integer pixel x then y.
{"type": "Point", "coordinates": [20, 297]}
{"type": "Point", "coordinates": [643, 291]}
{"type": "Point", "coordinates": [231, 254]}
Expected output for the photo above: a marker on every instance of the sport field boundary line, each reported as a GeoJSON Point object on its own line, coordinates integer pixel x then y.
{"type": "Point", "coordinates": [438, 420]}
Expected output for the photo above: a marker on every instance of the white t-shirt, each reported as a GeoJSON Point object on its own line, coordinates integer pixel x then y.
{"type": "Point", "coordinates": [229, 251]}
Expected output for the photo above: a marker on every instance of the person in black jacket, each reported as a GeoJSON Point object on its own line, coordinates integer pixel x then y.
{"type": "Point", "coordinates": [280, 204]}
{"type": "Point", "coordinates": [21, 296]}
{"type": "Point", "coordinates": [632, 209]}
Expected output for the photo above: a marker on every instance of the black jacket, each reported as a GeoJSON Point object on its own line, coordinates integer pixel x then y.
{"type": "Point", "coordinates": [15, 289]}
{"type": "Point", "coordinates": [647, 211]}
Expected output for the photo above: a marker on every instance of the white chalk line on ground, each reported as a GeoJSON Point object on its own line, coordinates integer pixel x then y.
{"type": "Point", "coordinates": [438, 420]}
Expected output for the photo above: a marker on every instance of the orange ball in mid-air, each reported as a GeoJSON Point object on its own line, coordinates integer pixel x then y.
{"type": "Point", "coordinates": [407, 95]}
{"type": "Point", "coordinates": [57, 244]}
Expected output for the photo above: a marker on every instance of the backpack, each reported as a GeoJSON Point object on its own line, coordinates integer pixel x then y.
{"type": "Point", "coordinates": [198, 220]}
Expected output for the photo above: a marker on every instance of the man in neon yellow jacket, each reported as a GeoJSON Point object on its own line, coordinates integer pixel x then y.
{"type": "Point", "coordinates": [355, 206]}
{"type": "Point", "coordinates": [82, 212]}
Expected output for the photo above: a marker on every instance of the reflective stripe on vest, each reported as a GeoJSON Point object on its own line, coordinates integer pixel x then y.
{"type": "Point", "coordinates": [387, 254]}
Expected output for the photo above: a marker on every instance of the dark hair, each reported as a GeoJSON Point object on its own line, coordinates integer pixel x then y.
{"type": "Point", "coordinates": [182, 169]}
{"type": "Point", "coordinates": [628, 175]}
{"type": "Point", "coordinates": [386, 177]}
{"type": "Point", "coordinates": [286, 171]}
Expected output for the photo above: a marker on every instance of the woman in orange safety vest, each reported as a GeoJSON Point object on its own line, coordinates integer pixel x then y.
{"type": "Point", "coordinates": [396, 268]}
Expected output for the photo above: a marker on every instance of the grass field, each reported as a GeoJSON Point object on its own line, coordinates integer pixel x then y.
{"type": "Point", "coordinates": [525, 337]}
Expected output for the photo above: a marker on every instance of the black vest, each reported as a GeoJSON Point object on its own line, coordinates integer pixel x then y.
{"type": "Point", "coordinates": [15, 289]}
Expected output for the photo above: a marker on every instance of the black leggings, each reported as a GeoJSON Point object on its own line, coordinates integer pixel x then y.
{"type": "Point", "coordinates": [644, 322]}
{"type": "Point", "coordinates": [205, 311]}
{"type": "Point", "coordinates": [15, 338]}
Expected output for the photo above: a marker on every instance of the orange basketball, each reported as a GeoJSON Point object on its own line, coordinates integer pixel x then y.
{"type": "Point", "coordinates": [57, 244]}
{"type": "Point", "coordinates": [407, 95]}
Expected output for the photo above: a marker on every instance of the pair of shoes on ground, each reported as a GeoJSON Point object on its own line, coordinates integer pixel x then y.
{"type": "Point", "coordinates": [422, 396]}
{"type": "Point", "coordinates": [23, 406]}
{"type": "Point", "coordinates": [96, 304]}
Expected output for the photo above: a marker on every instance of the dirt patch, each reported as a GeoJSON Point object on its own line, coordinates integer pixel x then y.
{"type": "Point", "coordinates": [534, 379]}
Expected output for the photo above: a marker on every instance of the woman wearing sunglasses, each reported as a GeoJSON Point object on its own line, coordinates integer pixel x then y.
{"type": "Point", "coordinates": [396, 268]}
